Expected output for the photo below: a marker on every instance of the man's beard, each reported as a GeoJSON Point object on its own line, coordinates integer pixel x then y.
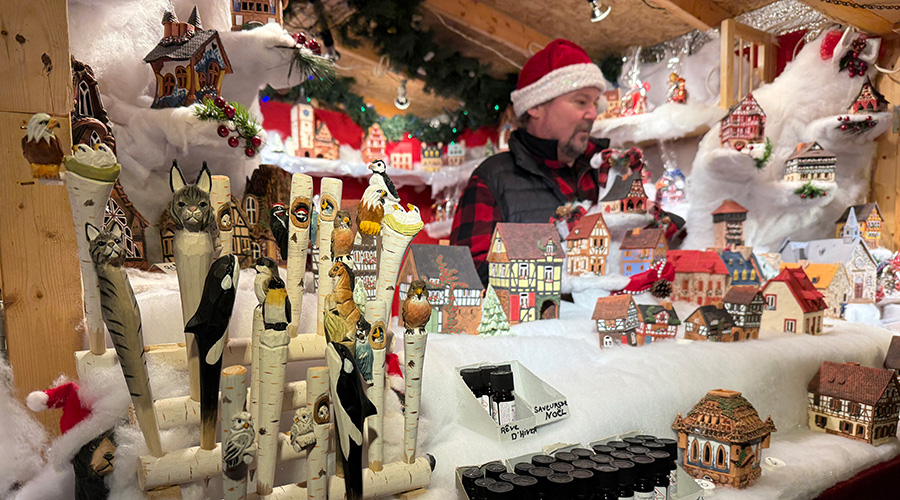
{"type": "Point", "coordinates": [572, 148]}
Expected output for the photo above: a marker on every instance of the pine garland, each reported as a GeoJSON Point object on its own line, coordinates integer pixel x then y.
{"type": "Point", "coordinates": [810, 192]}
{"type": "Point", "coordinates": [241, 121]}
{"type": "Point", "coordinates": [766, 156]}
{"type": "Point", "coordinates": [317, 72]}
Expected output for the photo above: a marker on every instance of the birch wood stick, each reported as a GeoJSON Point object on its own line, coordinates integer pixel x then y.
{"type": "Point", "coordinates": [375, 309]}
{"type": "Point", "coordinates": [255, 334]}
{"type": "Point", "coordinates": [329, 203]}
{"type": "Point", "coordinates": [237, 431]}
{"type": "Point", "coordinates": [89, 188]}
{"type": "Point", "coordinates": [193, 256]}
{"type": "Point", "coordinates": [273, 348]}
{"type": "Point", "coordinates": [395, 478]}
{"type": "Point", "coordinates": [300, 216]}
{"type": "Point", "coordinates": [414, 354]}
{"type": "Point", "coordinates": [220, 201]}
{"type": "Point", "coordinates": [397, 230]}
{"type": "Point", "coordinates": [317, 460]}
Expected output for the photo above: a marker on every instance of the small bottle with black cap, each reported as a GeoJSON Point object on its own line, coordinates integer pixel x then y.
{"type": "Point", "coordinates": [622, 455]}
{"type": "Point", "coordinates": [584, 463]}
{"type": "Point", "coordinates": [637, 450]}
{"type": "Point", "coordinates": [493, 470]}
{"type": "Point", "coordinates": [486, 371]}
{"type": "Point", "coordinates": [541, 460]}
{"type": "Point", "coordinates": [501, 490]}
{"type": "Point", "coordinates": [582, 452]}
{"type": "Point", "coordinates": [584, 484]}
{"type": "Point", "coordinates": [626, 478]}
{"type": "Point", "coordinates": [601, 459]}
{"type": "Point", "coordinates": [619, 445]}
{"type": "Point", "coordinates": [521, 468]}
{"type": "Point", "coordinates": [503, 403]}
{"type": "Point", "coordinates": [602, 449]}
{"type": "Point", "coordinates": [525, 487]}
{"type": "Point", "coordinates": [508, 476]}
{"type": "Point", "coordinates": [632, 441]}
{"type": "Point", "coordinates": [481, 488]}
{"type": "Point", "coordinates": [561, 467]}
{"type": "Point", "coordinates": [646, 477]}
{"type": "Point", "coordinates": [543, 485]}
{"type": "Point", "coordinates": [565, 456]}
{"type": "Point", "coordinates": [607, 483]}
{"type": "Point", "coordinates": [478, 384]}
{"type": "Point", "coordinates": [663, 466]}
{"type": "Point", "coordinates": [672, 449]}
{"type": "Point", "coordinates": [561, 486]}
{"type": "Point", "coordinates": [469, 476]}
{"type": "Point", "coordinates": [645, 437]}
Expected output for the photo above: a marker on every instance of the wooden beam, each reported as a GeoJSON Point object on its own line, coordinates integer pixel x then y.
{"type": "Point", "coordinates": [38, 253]}
{"type": "Point", "coordinates": [885, 187]}
{"type": "Point", "coordinates": [698, 14]}
{"type": "Point", "coordinates": [864, 19]}
{"type": "Point", "coordinates": [483, 19]}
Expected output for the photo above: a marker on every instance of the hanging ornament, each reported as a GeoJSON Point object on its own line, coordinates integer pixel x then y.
{"type": "Point", "coordinates": [234, 142]}
{"type": "Point", "coordinates": [634, 101]}
{"type": "Point", "coordinates": [313, 46]}
{"type": "Point", "coordinates": [675, 91]}
{"type": "Point", "coordinates": [670, 188]}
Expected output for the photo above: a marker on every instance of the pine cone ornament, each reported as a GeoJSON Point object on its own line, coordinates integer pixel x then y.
{"type": "Point", "coordinates": [661, 289]}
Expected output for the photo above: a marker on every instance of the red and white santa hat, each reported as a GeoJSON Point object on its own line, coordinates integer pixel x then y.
{"type": "Point", "coordinates": [559, 68]}
{"type": "Point", "coordinates": [64, 396]}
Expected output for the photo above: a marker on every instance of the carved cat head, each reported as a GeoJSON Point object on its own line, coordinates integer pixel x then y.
{"type": "Point", "coordinates": [190, 208]}
{"type": "Point", "coordinates": [106, 246]}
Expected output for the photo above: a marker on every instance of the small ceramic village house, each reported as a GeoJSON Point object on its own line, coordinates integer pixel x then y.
{"type": "Point", "coordinates": [324, 144]}
{"type": "Point", "coordinates": [710, 322]}
{"type": "Point", "coordinates": [832, 282]}
{"type": "Point", "coordinates": [745, 124]}
{"type": "Point", "coordinates": [90, 124]}
{"type": "Point", "coordinates": [456, 153]}
{"type": "Point", "coordinates": [374, 144]}
{"type": "Point", "coordinates": [656, 322]}
{"type": "Point", "coordinates": [640, 248]}
{"type": "Point", "coordinates": [454, 288]}
{"type": "Point", "coordinates": [869, 100]}
{"type": "Point", "coordinates": [525, 268]}
{"type": "Point", "coordinates": [700, 276]}
{"type": "Point", "coordinates": [793, 304]}
{"type": "Point", "coordinates": [742, 267]}
{"type": "Point", "coordinates": [868, 219]}
{"type": "Point", "coordinates": [858, 402]}
{"type": "Point", "coordinates": [401, 156]}
{"type": "Point", "coordinates": [728, 224]}
{"type": "Point", "coordinates": [626, 195]}
{"type": "Point", "coordinates": [722, 439]}
{"type": "Point", "coordinates": [617, 320]}
{"type": "Point", "coordinates": [745, 305]}
{"type": "Point", "coordinates": [255, 14]}
{"type": "Point", "coordinates": [892, 358]}
{"type": "Point", "coordinates": [587, 246]}
{"type": "Point", "coordinates": [189, 62]}
{"type": "Point", "coordinates": [132, 224]}
{"type": "Point", "coordinates": [303, 129]}
{"type": "Point", "coordinates": [810, 162]}
{"type": "Point", "coordinates": [432, 158]}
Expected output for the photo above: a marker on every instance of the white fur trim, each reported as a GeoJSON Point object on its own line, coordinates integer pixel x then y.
{"type": "Point", "coordinates": [37, 401]}
{"type": "Point", "coordinates": [556, 83]}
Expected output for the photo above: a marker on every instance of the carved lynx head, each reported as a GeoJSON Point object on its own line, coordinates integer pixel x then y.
{"type": "Point", "coordinates": [190, 208]}
{"type": "Point", "coordinates": [106, 246]}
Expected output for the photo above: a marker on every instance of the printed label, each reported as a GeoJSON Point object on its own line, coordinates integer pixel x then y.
{"type": "Point", "coordinates": [627, 498]}
{"type": "Point", "coordinates": [660, 493]}
{"type": "Point", "coordinates": [639, 495]}
{"type": "Point", "coordinates": [673, 483]}
{"type": "Point", "coordinates": [486, 403]}
{"type": "Point", "coordinates": [505, 412]}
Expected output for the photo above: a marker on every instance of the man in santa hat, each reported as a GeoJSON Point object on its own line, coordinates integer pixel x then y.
{"type": "Point", "coordinates": [548, 164]}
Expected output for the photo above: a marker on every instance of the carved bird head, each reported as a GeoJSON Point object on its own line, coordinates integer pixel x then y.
{"type": "Point", "coordinates": [278, 209]}
{"type": "Point", "coordinates": [40, 127]}
{"type": "Point", "coordinates": [418, 289]}
{"type": "Point", "coordinates": [265, 265]}
{"type": "Point", "coordinates": [241, 420]}
{"type": "Point", "coordinates": [377, 166]}
{"type": "Point", "coordinates": [343, 218]}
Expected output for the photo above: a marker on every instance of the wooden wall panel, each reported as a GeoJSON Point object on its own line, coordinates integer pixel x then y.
{"type": "Point", "coordinates": [885, 187]}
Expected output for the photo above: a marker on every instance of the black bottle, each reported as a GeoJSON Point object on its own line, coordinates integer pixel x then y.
{"type": "Point", "coordinates": [607, 482]}
{"type": "Point", "coordinates": [637, 450]}
{"type": "Point", "coordinates": [632, 441]}
{"type": "Point", "coordinates": [622, 455]}
{"type": "Point", "coordinates": [481, 486]}
{"type": "Point", "coordinates": [561, 487]}
{"type": "Point", "coordinates": [619, 445]}
{"type": "Point", "coordinates": [475, 379]}
{"type": "Point", "coordinates": [626, 478]}
{"type": "Point", "coordinates": [645, 437]}
{"type": "Point", "coordinates": [664, 467]}
{"type": "Point", "coordinates": [602, 449]}
{"type": "Point", "coordinates": [584, 484]}
{"type": "Point", "coordinates": [543, 485]}
{"type": "Point", "coordinates": [653, 445]}
{"type": "Point", "coordinates": [561, 467]}
{"type": "Point", "coordinates": [503, 403]}
{"type": "Point", "coordinates": [646, 477]}
{"type": "Point", "coordinates": [565, 456]}
{"type": "Point", "coordinates": [672, 449]}
{"type": "Point", "coordinates": [494, 469]}
{"type": "Point", "coordinates": [469, 476]}
{"type": "Point", "coordinates": [508, 477]}
{"type": "Point", "coordinates": [601, 459]}
{"type": "Point", "coordinates": [485, 382]}
{"type": "Point", "coordinates": [582, 452]}
{"type": "Point", "coordinates": [521, 468]}
{"type": "Point", "coordinates": [525, 488]}
{"type": "Point", "coordinates": [542, 460]}
{"type": "Point", "coordinates": [501, 490]}
{"type": "Point", "coordinates": [584, 463]}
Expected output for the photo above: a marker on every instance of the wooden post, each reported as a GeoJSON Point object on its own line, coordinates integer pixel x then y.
{"type": "Point", "coordinates": [317, 461]}
{"type": "Point", "coordinates": [220, 200]}
{"type": "Point", "coordinates": [885, 177]}
{"type": "Point", "coordinates": [414, 354]}
{"type": "Point", "coordinates": [300, 215]}
{"type": "Point", "coordinates": [257, 331]}
{"type": "Point", "coordinates": [273, 350]}
{"type": "Point", "coordinates": [329, 203]}
{"type": "Point", "coordinates": [42, 292]}
{"type": "Point", "coordinates": [726, 64]}
{"type": "Point", "coordinates": [397, 230]}
{"type": "Point", "coordinates": [234, 395]}
{"type": "Point", "coordinates": [375, 310]}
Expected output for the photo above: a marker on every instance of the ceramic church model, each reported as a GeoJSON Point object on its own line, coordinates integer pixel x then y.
{"type": "Point", "coordinates": [793, 305]}
{"type": "Point", "coordinates": [254, 14]}
{"type": "Point", "coordinates": [587, 246]}
{"type": "Point", "coordinates": [303, 130]}
{"type": "Point", "coordinates": [868, 218]}
{"type": "Point", "coordinates": [810, 162]}
{"type": "Point", "coordinates": [728, 224]}
{"type": "Point", "coordinates": [373, 145]}
{"type": "Point", "coordinates": [854, 401]}
{"type": "Point", "coordinates": [744, 125]}
{"type": "Point", "coordinates": [189, 62]}
{"type": "Point", "coordinates": [617, 320]}
{"type": "Point", "coordinates": [722, 439]}
{"type": "Point", "coordinates": [525, 268]}
{"type": "Point", "coordinates": [90, 124]}
{"type": "Point", "coordinates": [869, 100]}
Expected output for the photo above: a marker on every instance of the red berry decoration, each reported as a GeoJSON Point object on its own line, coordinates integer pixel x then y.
{"type": "Point", "coordinates": [250, 152]}
{"type": "Point", "coordinates": [299, 38]}
{"type": "Point", "coordinates": [256, 141]}
{"type": "Point", "coordinates": [803, 195]}
{"type": "Point", "coordinates": [223, 131]}
{"type": "Point", "coordinates": [843, 127]}
{"type": "Point", "coordinates": [229, 111]}
{"type": "Point", "coordinates": [233, 141]}
{"type": "Point", "coordinates": [219, 101]}
{"type": "Point", "coordinates": [313, 46]}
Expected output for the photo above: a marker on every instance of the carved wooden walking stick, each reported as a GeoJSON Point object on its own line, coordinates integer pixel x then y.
{"type": "Point", "coordinates": [123, 319]}
{"type": "Point", "coordinates": [220, 200]}
{"type": "Point", "coordinates": [317, 460]}
{"type": "Point", "coordinates": [416, 312]}
{"type": "Point", "coordinates": [238, 433]}
{"type": "Point", "coordinates": [376, 391]}
{"type": "Point", "coordinates": [398, 230]}
{"type": "Point", "coordinates": [209, 325]}
{"type": "Point", "coordinates": [91, 175]}
{"type": "Point", "coordinates": [299, 218]}
{"type": "Point", "coordinates": [329, 203]}
{"type": "Point", "coordinates": [266, 269]}
{"type": "Point", "coordinates": [193, 247]}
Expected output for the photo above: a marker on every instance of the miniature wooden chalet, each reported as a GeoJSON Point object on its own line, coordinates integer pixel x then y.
{"type": "Point", "coordinates": [742, 267]}
{"type": "Point", "coordinates": [793, 305]}
{"type": "Point", "coordinates": [832, 281]}
{"type": "Point", "coordinates": [401, 156]}
{"type": "Point", "coordinates": [810, 162]}
{"type": "Point", "coordinates": [90, 124]}
{"type": "Point", "coordinates": [617, 320]}
{"type": "Point", "coordinates": [525, 268]}
{"type": "Point", "coordinates": [892, 358]}
{"type": "Point", "coordinates": [710, 322]}
{"type": "Point", "coordinates": [132, 224]}
{"type": "Point", "coordinates": [868, 220]}
{"type": "Point", "coordinates": [640, 248]}
{"type": "Point", "coordinates": [745, 305]}
{"type": "Point", "coordinates": [246, 15]}
{"type": "Point", "coordinates": [869, 100]}
{"type": "Point", "coordinates": [700, 276]}
{"type": "Point", "coordinates": [324, 144]}
{"type": "Point", "coordinates": [728, 224]}
{"type": "Point", "coordinates": [303, 130]}
{"type": "Point", "coordinates": [656, 322]}
{"type": "Point", "coordinates": [456, 153]}
{"type": "Point", "coordinates": [745, 124]}
{"type": "Point", "coordinates": [626, 195]}
{"type": "Point", "coordinates": [432, 157]}
{"type": "Point", "coordinates": [858, 402]}
{"type": "Point", "coordinates": [189, 62]}
{"type": "Point", "coordinates": [587, 246]}
{"type": "Point", "coordinates": [852, 252]}
{"type": "Point", "coordinates": [373, 145]}
{"type": "Point", "coordinates": [267, 185]}
{"type": "Point", "coordinates": [722, 439]}
{"type": "Point", "coordinates": [454, 288]}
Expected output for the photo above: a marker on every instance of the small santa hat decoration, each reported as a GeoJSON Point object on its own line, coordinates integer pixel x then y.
{"type": "Point", "coordinates": [395, 374]}
{"type": "Point", "coordinates": [559, 68]}
{"type": "Point", "coordinates": [63, 396]}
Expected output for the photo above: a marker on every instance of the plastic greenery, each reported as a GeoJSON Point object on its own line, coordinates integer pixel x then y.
{"type": "Point", "coordinates": [810, 192]}
{"type": "Point", "coordinates": [766, 156]}
{"type": "Point", "coordinates": [317, 72]}
{"type": "Point", "coordinates": [243, 122]}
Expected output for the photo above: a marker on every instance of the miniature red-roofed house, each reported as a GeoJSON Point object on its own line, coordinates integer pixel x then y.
{"type": "Point", "coordinates": [710, 322]}
{"type": "Point", "coordinates": [525, 269]}
{"type": "Point", "coordinates": [587, 246]}
{"type": "Point", "coordinates": [640, 248]}
{"type": "Point", "coordinates": [869, 100]}
{"type": "Point", "coordinates": [728, 224]}
{"type": "Point", "coordinates": [854, 401]}
{"type": "Point", "coordinates": [373, 146]}
{"type": "Point", "coordinates": [626, 195]}
{"type": "Point", "coordinates": [700, 276]}
{"type": "Point", "coordinates": [745, 304]}
{"type": "Point", "coordinates": [657, 322]}
{"type": "Point", "coordinates": [810, 162]}
{"type": "Point", "coordinates": [832, 281]}
{"type": "Point", "coordinates": [402, 156]}
{"type": "Point", "coordinates": [745, 124]}
{"type": "Point", "coordinates": [793, 304]}
{"type": "Point", "coordinates": [722, 438]}
{"type": "Point", "coordinates": [617, 320]}
{"type": "Point", "coordinates": [869, 220]}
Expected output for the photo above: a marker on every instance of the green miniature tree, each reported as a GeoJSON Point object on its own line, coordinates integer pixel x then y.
{"type": "Point", "coordinates": [493, 319]}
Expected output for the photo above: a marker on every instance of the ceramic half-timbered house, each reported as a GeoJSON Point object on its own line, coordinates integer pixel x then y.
{"type": "Point", "coordinates": [710, 322]}
{"type": "Point", "coordinates": [810, 162]}
{"type": "Point", "coordinates": [892, 358]}
{"type": "Point", "coordinates": [641, 248]}
{"type": "Point", "coordinates": [793, 305]}
{"type": "Point", "coordinates": [525, 267]}
{"type": "Point", "coordinates": [868, 100]}
{"type": "Point", "coordinates": [90, 123]}
{"type": "Point", "coordinates": [587, 246]}
{"type": "Point", "coordinates": [868, 220]}
{"type": "Point", "coordinates": [133, 225]}
{"type": "Point", "coordinates": [728, 224]}
{"type": "Point", "coordinates": [745, 305]}
{"type": "Point", "coordinates": [626, 195]}
{"type": "Point", "coordinates": [722, 439]}
{"type": "Point", "coordinates": [850, 251]}
{"type": "Point", "coordinates": [617, 320]}
{"type": "Point", "coordinates": [700, 276]}
{"type": "Point", "coordinates": [454, 288]}
{"type": "Point", "coordinates": [656, 322]}
{"type": "Point", "coordinates": [267, 185]}
{"type": "Point", "coordinates": [832, 281]}
{"type": "Point", "coordinates": [374, 144]}
{"type": "Point", "coordinates": [745, 124]}
{"type": "Point", "coordinates": [324, 144]}
{"type": "Point", "coordinates": [254, 14]}
{"type": "Point", "coordinates": [432, 156]}
{"type": "Point", "coordinates": [858, 402]}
